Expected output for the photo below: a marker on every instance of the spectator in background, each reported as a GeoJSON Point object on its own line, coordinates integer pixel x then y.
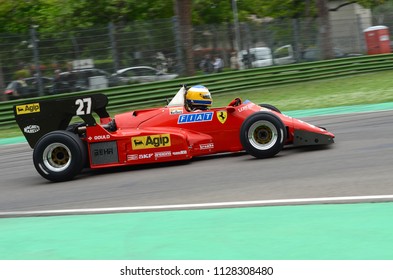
{"type": "Point", "coordinates": [206, 65]}
{"type": "Point", "coordinates": [21, 88]}
{"type": "Point", "coordinates": [234, 61]}
{"type": "Point", "coordinates": [161, 62]}
{"type": "Point", "coordinates": [56, 82]}
{"type": "Point", "coordinates": [218, 64]}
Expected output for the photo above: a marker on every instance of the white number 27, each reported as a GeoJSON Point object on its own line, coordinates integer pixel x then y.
{"type": "Point", "coordinates": [84, 106]}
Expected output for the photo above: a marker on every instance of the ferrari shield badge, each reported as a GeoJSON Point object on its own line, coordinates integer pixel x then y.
{"type": "Point", "coordinates": [222, 116]}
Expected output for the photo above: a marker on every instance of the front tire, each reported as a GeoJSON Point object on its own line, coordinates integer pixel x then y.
{"type": "Point", "coordinates": [59, 156]}
{"type": "Point", "coordinates": [263, 135]}
{"type": "Point", "coordinates": [270, 107]}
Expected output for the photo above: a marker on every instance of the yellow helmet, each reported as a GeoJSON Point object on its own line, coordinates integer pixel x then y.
{"type": "Point", "coordinates": [198, 97]}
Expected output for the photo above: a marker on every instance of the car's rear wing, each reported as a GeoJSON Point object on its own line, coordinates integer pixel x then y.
{"type": "Point", "coordinates": [37, 118]}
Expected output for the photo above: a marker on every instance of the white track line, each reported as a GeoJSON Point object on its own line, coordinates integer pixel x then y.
{"type": "Point", "coordinates": [282, 202]}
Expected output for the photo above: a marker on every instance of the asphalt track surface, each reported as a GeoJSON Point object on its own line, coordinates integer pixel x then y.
{"type": "Point", "coordinates": [358, 165]}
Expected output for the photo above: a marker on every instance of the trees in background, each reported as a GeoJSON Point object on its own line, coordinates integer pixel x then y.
{"type": "Point", "coordinates": [59, 15]}
{"type": "Point", "coordinates": [56, 16]}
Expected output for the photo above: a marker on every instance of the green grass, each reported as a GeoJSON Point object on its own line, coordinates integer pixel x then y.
{"type": "Point", "coordinates": [353, 90]}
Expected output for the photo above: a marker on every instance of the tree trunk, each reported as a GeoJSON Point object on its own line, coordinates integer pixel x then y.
{"type": "Point", "coordinates": [183, 12]}
{"type": "Point", "coordinates": [324, 30]}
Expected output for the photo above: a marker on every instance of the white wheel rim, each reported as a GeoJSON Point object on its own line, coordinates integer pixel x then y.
{"type": "Point", "coordinates": [57, 157]}
{"type": "Point", "coordinates": [262, 135]}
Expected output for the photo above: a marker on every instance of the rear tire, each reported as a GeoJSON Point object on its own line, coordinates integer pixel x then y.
{"type": "Point", "coordinates": [263, 135]}
{"type": "Point", "coordinates": [59, 156]}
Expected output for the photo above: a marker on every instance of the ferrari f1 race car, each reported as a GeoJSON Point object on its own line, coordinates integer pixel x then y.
{"type": "Point", "coordinates": [170, 133]}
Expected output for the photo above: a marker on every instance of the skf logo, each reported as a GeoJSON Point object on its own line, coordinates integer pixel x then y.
{"type": "Point", "coordinates": [222, 116]}
{"type": "Point", "coordinates": [151, 141]}
{"type": "Point", "coordinates": [28, 108]}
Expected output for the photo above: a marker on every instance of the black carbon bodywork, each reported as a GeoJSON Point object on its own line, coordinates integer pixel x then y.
{"type": "Point", "coordinates": [38, 118]}
{"type": "Point", "coordinates": [307, 138]}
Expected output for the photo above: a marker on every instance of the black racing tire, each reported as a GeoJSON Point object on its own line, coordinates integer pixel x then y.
{"type": "Point", "coordinates": [263, 134]}
{"type": "Point", "coordinates": [59, 156]}
{"type": "Point", "coordinates": [271, 107]}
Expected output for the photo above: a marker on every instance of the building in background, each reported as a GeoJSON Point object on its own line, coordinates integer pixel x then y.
{"type": "Point", "coordinates": [348, 20]}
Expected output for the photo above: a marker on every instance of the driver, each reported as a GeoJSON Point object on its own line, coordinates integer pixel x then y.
{"type": "Point", "coordinates": [198, 98]}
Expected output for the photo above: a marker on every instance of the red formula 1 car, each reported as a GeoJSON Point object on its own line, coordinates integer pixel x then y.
{"type": "Point", "coordinates": [170, 133]}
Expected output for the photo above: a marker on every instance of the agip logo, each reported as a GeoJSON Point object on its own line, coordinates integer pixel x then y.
{"type": "Point", "coordinates": [28, 108]}
{"type": "Point", "coordinates": [151, 141]}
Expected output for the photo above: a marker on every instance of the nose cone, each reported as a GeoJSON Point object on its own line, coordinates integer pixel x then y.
{"type": "Point", "coordinates": [308, 134]}
{"type": "Point", "coordinates": [308, 138]}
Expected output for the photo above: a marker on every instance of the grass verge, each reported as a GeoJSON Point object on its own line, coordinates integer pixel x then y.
{"type": "Point", "coordinates": [353, 90]}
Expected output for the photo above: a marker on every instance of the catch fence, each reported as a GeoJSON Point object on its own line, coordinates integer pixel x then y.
{"type": "Point", "coordinates": [158, 43]}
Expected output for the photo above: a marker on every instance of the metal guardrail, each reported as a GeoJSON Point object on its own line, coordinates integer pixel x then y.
{"type": "Point", "coordinates": [142, 95]}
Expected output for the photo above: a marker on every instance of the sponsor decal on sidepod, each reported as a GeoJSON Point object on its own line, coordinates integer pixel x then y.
{"type": "Point", "coordinates": [151, 141]}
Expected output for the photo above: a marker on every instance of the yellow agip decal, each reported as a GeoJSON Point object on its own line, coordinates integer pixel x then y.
{"type": "Point", "coordinates": [28, 108]}
{"type": "Point", "coordinates": [151, 141]}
